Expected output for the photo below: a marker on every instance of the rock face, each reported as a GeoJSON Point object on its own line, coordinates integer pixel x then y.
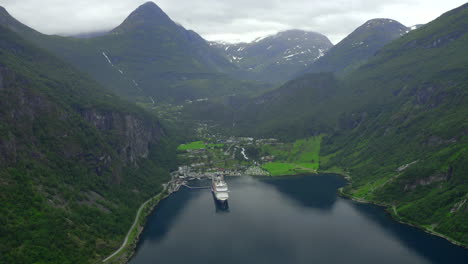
{"type": "Point", "coordinates": [135, 135]}
{"type": "Point", "coordinates": [74, 158]}
{"type": "Point", "coordinates": [22, 107]}
{"type": "Point", "coordinates": [426, 181]}
{"type": "Point", "coordinates": [19, 108]}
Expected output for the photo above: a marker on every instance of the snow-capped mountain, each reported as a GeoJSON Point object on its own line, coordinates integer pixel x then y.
{"type": "Point", "coordinates": [276, 57]}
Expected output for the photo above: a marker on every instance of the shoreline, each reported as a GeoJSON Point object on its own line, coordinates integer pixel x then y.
{"type": "Point", "coordinates": [386, 207]}
{"type": "Point", "coordinates": [128, 250]}
{"type": "Point", "coordinates": [389, 208]}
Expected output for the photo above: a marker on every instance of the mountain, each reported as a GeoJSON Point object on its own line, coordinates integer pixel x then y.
{"type": "Point", "coordinates": [396, 125]}
{"type": "Point", "coordinates": [148, 58]}
{"type": "Point", "coordinates": [405, 138]}
{"type": "Point", "coordinates": [276, 58]}
{"type": "Point", "coordinates": [292, 111]}
{"type": "Point", "coordinates": [76, 160]}
{"type": "Point", "coordinates": [10, 22]}
{"type": "Point", "coordinates": [359, 46]}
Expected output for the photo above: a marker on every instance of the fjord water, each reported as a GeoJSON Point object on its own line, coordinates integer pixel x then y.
{"type": "Point", "coordinates": [296, 219]}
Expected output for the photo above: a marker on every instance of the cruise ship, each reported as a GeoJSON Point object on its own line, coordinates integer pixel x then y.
{"type": "Point", "coordinates": [219, 188]}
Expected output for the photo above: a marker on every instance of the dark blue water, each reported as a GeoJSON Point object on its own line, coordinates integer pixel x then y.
{"type": "Point", "coordinates": [283, 220]}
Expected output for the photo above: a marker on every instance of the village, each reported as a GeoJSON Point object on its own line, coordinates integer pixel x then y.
{"type": "Point", "coordinates": [234, 156]}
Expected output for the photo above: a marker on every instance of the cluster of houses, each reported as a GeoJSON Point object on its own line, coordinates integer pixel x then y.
{"type": "Point", "coordinates": [187, 172]}
{"type": "Point", "coordinates": [268, 158]}
{"type": "Point", "coordinates": [200, 169]}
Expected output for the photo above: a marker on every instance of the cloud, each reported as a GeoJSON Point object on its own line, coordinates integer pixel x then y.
{"type": "Point", "coordinates": [239, 20]}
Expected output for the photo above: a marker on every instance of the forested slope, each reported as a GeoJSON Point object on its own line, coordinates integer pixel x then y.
{"type": "Point", "coordinates": [76, 161]}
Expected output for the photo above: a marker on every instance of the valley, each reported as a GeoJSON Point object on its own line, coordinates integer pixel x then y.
{"type": "Point", "coordinates": [236, 156]}
{"type": "Point", "coordinates": [95, 132]}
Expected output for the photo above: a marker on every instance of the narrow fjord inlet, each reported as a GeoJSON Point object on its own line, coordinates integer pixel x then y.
{"type": "Point", "coordinates": [225, 132]}
{"type": "Point", "coordinates": [296, 219]}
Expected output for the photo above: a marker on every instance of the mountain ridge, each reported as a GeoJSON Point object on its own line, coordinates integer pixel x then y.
{"type": "Point", "coordinates": [158, 61]}
{"type": "Point", "coordinates": [276, 57]}
{"type": "Point", "coordinates": [360, 45]}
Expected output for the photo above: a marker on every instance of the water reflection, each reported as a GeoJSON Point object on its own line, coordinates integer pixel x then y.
{"type": "Point", "coordinates": [305, 192]}
{"type": "Point", "coordinates": [276, 221]}
{"type": "Point", "coordinates": [171, 208]}
{"type": "Point", "coordinates": [432, 248]}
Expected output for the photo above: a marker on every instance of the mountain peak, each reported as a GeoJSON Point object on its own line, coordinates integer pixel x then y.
{"type": "Point", "coordinates": [295, 32]}
{"type": "Point", "coordinates": [148, 11]}
{"type": "Point", "coordinates": [378, 22]}
{"type": "Point", "coordinates": [146, 15]}
{"type": "Point", "coordinates": [10, 22]}
{"type": "Point", "coordinates": [4, 15]}
{"type": "Point", "coordinates": [150, 7]}
{"type": "Point", "coordinates": [359, 46]}
{"type": "Point", "coordinates": [382, 30]}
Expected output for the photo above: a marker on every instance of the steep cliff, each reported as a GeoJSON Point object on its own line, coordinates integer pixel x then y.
{"type": "Point", "coordinates": [76, 160]}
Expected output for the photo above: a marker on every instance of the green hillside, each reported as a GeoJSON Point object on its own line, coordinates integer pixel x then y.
{"type": "Point", "coordinates": [299, 157]}
{"type": "Point", "coordinates": [397, 125]}
{"type": "Point", "coordinates": [296, 110]}
{"type": "Point", "coordinates": [76, 160]}
{"type": "Point", "coordinates": [409, 147]}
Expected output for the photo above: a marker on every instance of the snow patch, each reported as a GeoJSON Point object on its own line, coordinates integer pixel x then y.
{"type": "Point", "coordinates": [105, 56]}
{"type": "Point", "coordinates": [357, 44]}
{"type": "Point", "coordinates": [292, 55]}
{"type": "Point", "coordinates": [321, 53]}
{"type": "Point", "coordinates": [260, 38]}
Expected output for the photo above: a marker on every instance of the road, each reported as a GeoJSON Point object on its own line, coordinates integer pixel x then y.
{"type": "Point", "coordinates": [129, 231]}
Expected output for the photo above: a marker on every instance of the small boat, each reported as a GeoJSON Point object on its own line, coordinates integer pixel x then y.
{"type": "Point", "coordinates": [219, 188]}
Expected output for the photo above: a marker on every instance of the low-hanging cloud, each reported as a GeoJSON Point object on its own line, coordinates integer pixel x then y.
{"type": "Point", "coordinates": [239, 20]}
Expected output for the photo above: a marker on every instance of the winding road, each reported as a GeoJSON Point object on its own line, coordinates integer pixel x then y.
{"type": "Point", "coordinates": [130, 230]}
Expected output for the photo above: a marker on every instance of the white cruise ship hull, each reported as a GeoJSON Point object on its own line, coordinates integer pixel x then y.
{"type": "Point", "coordinates": [219, 189]}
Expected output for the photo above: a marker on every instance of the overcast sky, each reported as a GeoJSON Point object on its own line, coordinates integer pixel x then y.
{"type": "Point", "coordinates": [228, 20]}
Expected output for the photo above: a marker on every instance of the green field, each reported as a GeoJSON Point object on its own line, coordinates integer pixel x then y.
{"type": "Point", "coordinates": [192, 145]}
{"type": "Point", "coordinates": [198, 145]}
{"type": "Point", "coordinates": [280, 169]}
{"type": "Point", "coordinates": [302, 156]}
